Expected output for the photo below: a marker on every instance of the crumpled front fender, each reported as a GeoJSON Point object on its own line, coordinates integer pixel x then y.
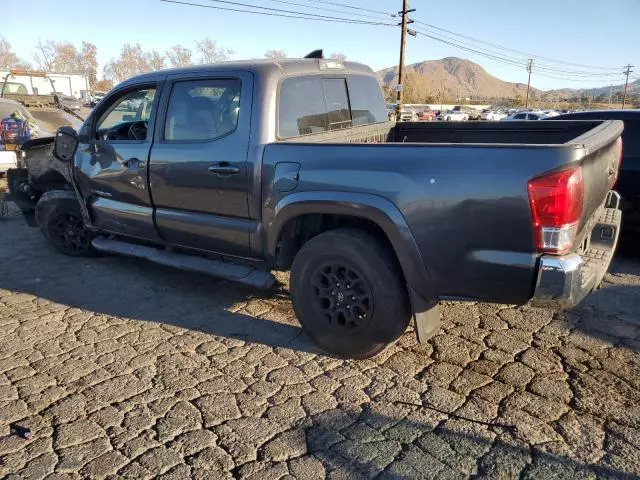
{"type": "Point", "coordinates": [53, 200]}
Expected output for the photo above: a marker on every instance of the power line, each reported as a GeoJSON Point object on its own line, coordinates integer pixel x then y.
{"type": "Point", "coordinates": [565, 78]}
{"type": "Point", "coordinates": [336, 4]}
{"type": "Point", "coordinates": [509, 60]}
{"type": "Point", "coordinates": [520, 60]}
{"type": "Point", "coordinates": [271, 9]}
{"type": "Point", "coordinates": [325, 9]}
{"type": "Point", "coordinates": [520, 52]}
{"type": "Point", "coordinates": [472, 50]}
{"type": "Point", "coordinates": [301, 15]}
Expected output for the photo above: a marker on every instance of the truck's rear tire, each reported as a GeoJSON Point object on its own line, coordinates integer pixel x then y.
{"type": "Point", "coordinates": [349, 293]}
{"type": "Point", "coordinates": [64, 229]}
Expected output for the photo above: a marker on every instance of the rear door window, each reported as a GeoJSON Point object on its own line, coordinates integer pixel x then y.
{"type": "Point", "coordinates": [338, 111]}
{"type": "Point", "coordinates": [313, 104]}
{"type": "Point", "coordinates": [302, 108]}
{"type": "Point", "coordinates": [367, 102]}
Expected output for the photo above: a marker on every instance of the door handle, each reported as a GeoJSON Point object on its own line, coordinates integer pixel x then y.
{"type": "Point", "coordinates": [223, 169]}
{"type": "Point", "coordinates": [133, 164]}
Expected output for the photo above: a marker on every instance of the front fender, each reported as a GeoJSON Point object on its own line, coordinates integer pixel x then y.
{"type": "Point", "coordinates": [51, 200]}
{"type": "Point", "coordinates": [365, 206]}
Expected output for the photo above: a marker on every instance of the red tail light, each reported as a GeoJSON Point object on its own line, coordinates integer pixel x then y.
{"type": "Point", "coordinates": [556, 206]}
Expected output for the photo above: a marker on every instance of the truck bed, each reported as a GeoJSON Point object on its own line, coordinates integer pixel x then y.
{"type": "Point", "coordinates": [462, 188]}
{"type": "Point", "coordinates": [520, 133]}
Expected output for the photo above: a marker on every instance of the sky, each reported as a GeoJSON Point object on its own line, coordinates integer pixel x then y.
{"type": "Point", "coordinates": [595, 34]}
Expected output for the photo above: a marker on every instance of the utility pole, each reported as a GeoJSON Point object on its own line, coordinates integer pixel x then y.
{"type": "Point", "coordinates": [403, 41]}
{"type": "Point", "coordinates": [626, 83]}
{"type": "Point", "coordinates": [529, 65]}
{"type": "Point", "coordinates": [610, 92]}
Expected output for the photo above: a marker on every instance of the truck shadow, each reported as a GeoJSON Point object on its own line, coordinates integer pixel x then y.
{"type": "Point", "coordinates": [393, 441]}
{"type": "Point", "coordinates": [136, 289]}
{"type": "Point", "coordinates": [610, 313]}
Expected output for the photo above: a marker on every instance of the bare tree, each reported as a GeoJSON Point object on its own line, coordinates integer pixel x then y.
{"type": "Point", "coordinates": [8, 59]}
{"type": "Point", "coordinates": [210, 52]}
{"type": "Point", "coordinates": [275, 54]}
{"type": "Point", "coordinates": [156, 60]}
{"type": "Point", "coordinates": [179, 56]}
{"type": "Point", "coordinates": [132, 61]}
{"type": "Point", "coordinates": [87, 62]}
{"type": "Point", "coordinates": [338, 56]}
{"type": "Point", "coordinates": [54, 56]}
{"type": "Point", "coordinates": [103, 85]}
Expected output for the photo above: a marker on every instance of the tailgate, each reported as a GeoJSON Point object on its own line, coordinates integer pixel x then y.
{"type": "Point", "coordinates": [602, 148]}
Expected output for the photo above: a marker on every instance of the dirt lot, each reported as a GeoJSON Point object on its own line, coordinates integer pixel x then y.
{"type": "Point", "coordinates": [124, 369]}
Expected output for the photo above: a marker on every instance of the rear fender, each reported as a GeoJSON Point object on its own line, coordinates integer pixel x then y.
{"type": "Point", "coordinates": [365, 206]}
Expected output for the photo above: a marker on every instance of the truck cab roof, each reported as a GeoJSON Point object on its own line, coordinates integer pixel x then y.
{"type": "Point", "coordinates": [279, 68]}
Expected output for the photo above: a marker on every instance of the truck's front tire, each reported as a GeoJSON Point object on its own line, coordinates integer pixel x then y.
{"type": "Point", "coordinates": [63, 227]}
{"type": "Point", "coordinates": [349, 294]}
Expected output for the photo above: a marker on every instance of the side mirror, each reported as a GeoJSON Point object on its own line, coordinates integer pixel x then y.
{"type": "Point", "coordinates": [65, 144]}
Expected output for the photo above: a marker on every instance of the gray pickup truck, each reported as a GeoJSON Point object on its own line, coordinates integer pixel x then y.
{"type": "Point", "coordinates": [242, 168]}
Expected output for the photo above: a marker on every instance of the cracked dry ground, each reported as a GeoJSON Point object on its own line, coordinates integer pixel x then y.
{"type": "Point", "coordinates": [123, 369]}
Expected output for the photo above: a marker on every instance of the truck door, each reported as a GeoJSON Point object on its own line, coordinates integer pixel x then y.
{"type": "Point", "coordinates": [112, 162]}
{"type": "Point", "coordinates": [198, 171]}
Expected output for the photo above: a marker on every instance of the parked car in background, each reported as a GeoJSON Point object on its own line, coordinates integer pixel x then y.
{"type": "Point", "coordinates": [526, 116]}
{"type": "Point", "coordinates": [472, 113]}
{"type": "Point", "coordinates": [69, 102]}
{"type": "Point", "coordinates": [408, 115]}
{"type": "Point", "coordinates": [452, 116]}
{"type": "Point", "coordinates": [628, 184]}
{"type": "Point", "coordinates": [474, 211]}
{"type": "Point", "coordinates": [96, 98]}
{"type": "Point", "coordinates": [492, 115]}
{"type": "Point", "coordinates": [427, 115]}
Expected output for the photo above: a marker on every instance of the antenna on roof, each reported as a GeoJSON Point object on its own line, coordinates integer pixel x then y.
{"type": "Point", "coordinates": [315, 54]}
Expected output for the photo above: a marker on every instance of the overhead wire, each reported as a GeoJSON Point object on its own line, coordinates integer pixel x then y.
{"type": "Point", "coordinates": [276, 12]}
{"type": "Point", "coordinates": [520, 52]}
{"type": "Point", "coordinates": [539, 68]}
{"type": "Point", "coordinates": [520, 61]}
{"type": "Point", "coordinates": [325, 9]}
{"type": "Point", "coordinates": [337, 4]}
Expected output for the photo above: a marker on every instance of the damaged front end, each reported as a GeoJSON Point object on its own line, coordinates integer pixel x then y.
{"type": "Point", "coordinates": [40, 172]}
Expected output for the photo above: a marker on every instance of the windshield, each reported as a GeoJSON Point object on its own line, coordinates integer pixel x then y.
{"type": "Point", "coordinates": [15, 88]}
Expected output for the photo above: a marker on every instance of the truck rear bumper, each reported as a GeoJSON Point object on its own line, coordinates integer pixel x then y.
{"type": "Point", "coordinates": [564, 280]}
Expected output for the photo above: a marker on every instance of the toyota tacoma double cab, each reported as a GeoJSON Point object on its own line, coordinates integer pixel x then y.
{"type": "Point", "coordinates": [243, 168]}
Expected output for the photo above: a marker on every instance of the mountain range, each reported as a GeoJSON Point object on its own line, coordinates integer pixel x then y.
{"type": "Point", "coordinates": [464, 78]}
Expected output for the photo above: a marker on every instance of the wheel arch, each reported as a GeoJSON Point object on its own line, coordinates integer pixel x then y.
{"type": "Point", "coordinates": [366, 211]}
{"type": "Point", "coordinates": [52, 199]}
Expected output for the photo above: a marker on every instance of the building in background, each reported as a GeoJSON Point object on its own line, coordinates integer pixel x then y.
{"type": "Point", "coordinates": [72, 84]}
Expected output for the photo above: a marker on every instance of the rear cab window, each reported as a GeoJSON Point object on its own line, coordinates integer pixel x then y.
{"type": "Point", "coordinates": [315, 104]}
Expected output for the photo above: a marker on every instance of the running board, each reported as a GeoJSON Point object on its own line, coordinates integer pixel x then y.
{"type": "Point", "coordinates": [216, 268]}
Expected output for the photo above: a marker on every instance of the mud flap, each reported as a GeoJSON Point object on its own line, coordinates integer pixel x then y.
{"type": "Point", "coordinates": [426, 315]}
